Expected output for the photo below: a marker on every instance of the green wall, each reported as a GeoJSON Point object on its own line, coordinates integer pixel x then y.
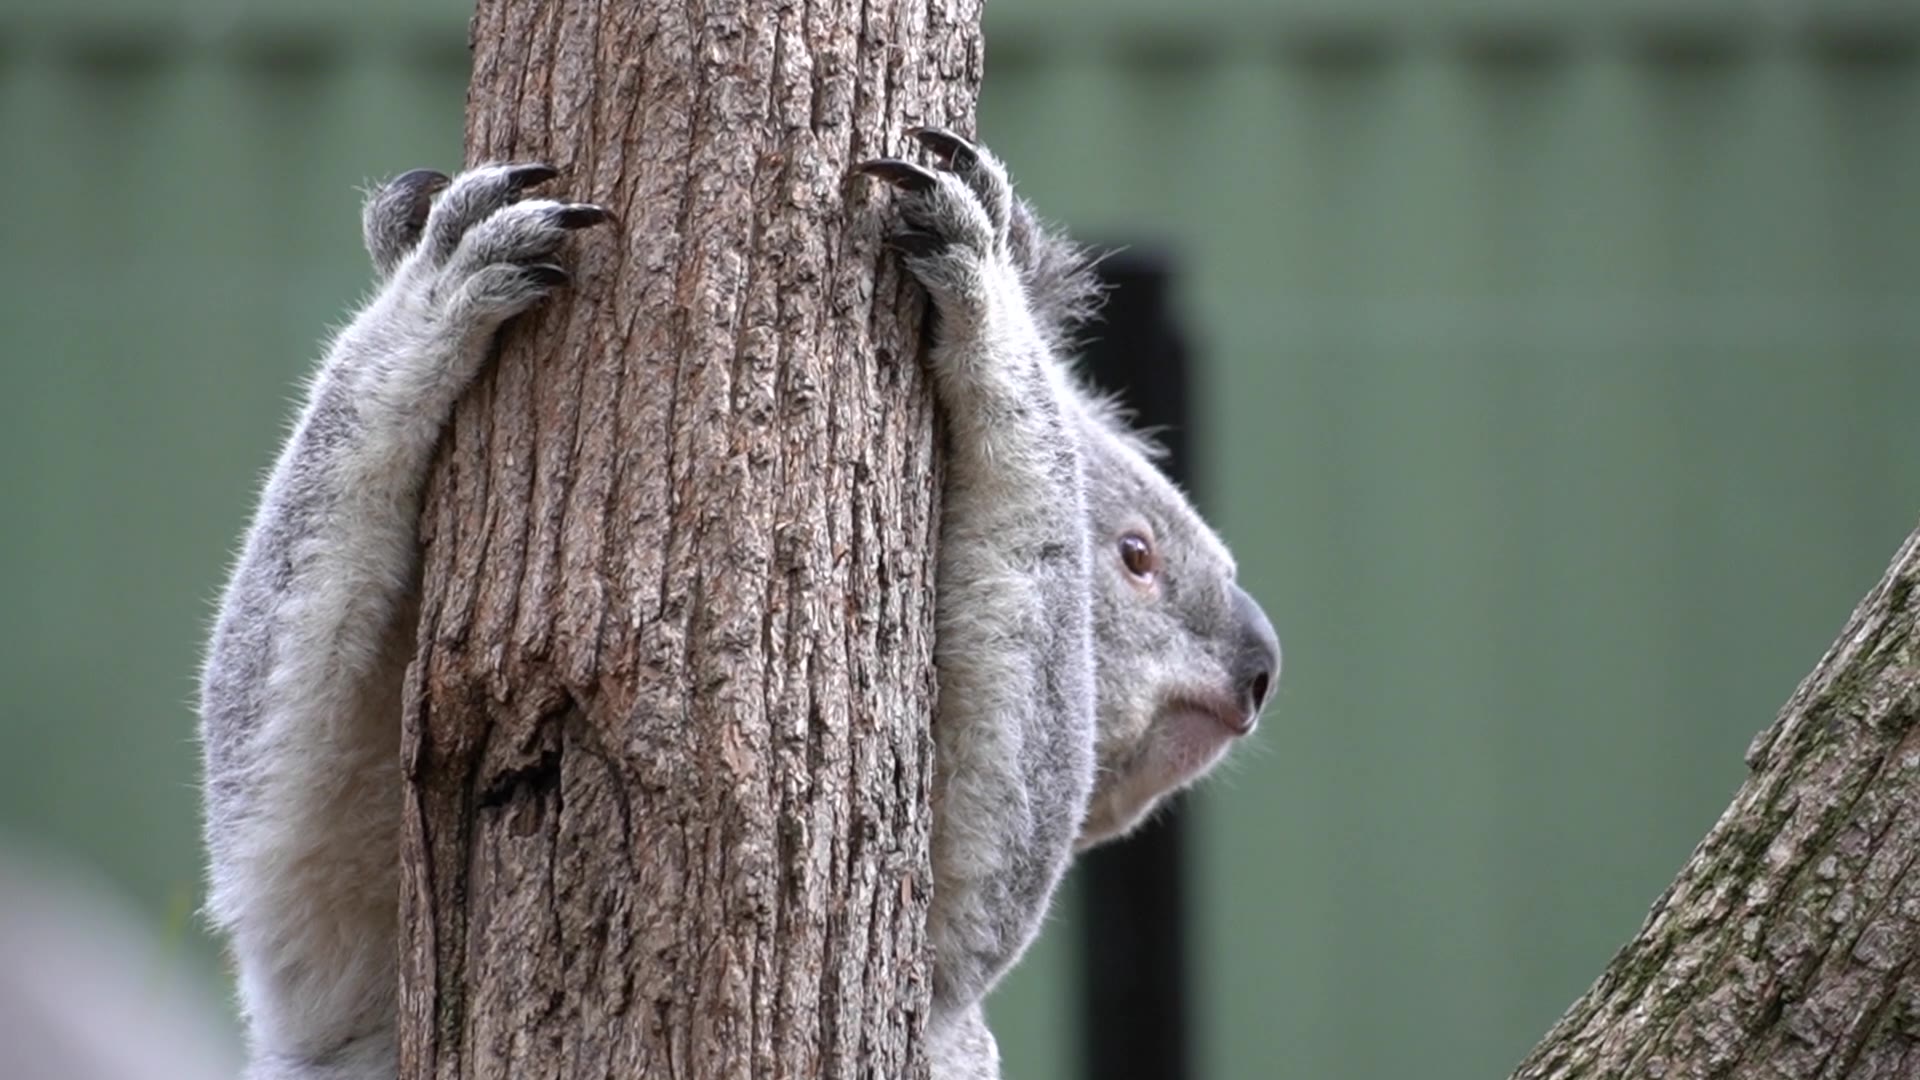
{"type": "Point", "coordinates": [1561, 399]}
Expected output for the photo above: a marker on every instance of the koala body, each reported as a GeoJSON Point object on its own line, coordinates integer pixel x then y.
{"type": "Point", "coordinates": [1092, 650]}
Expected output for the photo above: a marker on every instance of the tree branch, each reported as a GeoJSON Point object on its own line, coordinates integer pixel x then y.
{"type": "Point", "coordinates": [1786, 947]}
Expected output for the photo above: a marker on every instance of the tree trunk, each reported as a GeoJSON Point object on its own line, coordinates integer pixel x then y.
{"type": "Point", "coordinates": [1786, 947]}
{"type": "Point", "coordinates": [666, 735]}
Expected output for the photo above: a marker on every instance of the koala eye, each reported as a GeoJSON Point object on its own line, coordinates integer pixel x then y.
{"type": "Point", "coordinates": [1136, 554]}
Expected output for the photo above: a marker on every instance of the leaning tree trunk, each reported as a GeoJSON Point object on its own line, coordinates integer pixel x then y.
{"type": "Point", "coordinates": [1786, 949]}
{"type": "Point", "coordinates": [666, 741]}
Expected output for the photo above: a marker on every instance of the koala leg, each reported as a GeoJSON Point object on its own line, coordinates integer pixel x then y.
{"type": "Point", "coordinates": [300, 695]}
{"type": "Point", "coordinates": [1014, 732]}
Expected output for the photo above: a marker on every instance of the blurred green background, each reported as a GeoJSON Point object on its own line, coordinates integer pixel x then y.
{"type": "Point", "coordinates": [1560, 399]}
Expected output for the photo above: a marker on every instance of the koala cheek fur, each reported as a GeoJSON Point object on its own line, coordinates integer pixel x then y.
{"type": "Point", "coordinates": [300, 692]}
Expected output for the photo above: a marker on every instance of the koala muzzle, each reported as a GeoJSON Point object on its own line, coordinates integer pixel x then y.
{"type": "Point", "coordinates": [1255, 662]}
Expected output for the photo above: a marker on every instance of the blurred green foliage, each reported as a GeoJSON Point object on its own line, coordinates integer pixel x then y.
{"type": "Point", "coordinates": [1559, 400]}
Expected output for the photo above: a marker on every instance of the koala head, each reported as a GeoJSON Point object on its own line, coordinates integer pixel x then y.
{"type": "Point", "coordinates": [1184, 657]}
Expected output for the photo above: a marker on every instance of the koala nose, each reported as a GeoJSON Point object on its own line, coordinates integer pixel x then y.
{"type": "Point", "coordinates": [1255, 665]}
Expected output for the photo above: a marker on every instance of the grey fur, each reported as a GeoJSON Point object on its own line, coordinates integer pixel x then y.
{"type": "Point", "coordinates": [1073, 694]}
{"type": "Point", "coordinates": [965, 1049]}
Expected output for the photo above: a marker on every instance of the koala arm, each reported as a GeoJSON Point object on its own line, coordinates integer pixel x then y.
{"type": "Point", "coordinates": [300, 695]}
{"type": "Point", "coordinates": [1014, 732]}
{"type": "Point", "coordinates": [964, 1049]}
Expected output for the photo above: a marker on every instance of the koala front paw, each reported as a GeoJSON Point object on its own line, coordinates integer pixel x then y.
{"type": "Point", "coordinates": [953, 233]}
{"type": "Point", "coordinates": [474, 246]}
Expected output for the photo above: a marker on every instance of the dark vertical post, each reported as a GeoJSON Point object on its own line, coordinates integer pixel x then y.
{"type": "Point", "coordinates": [1134, 960]}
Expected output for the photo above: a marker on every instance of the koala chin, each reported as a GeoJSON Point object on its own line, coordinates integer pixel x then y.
{"type": "Point", "coordinates": [1092, 650]}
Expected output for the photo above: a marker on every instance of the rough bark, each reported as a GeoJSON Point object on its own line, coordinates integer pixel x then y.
{"type": "Point", "coordinates": [666, 736]}
{"type": "Point", "coordinates": [1786, 948]}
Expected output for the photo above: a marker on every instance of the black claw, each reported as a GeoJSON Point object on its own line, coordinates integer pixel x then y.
{"type": "Point", "coordinates": [579, 216]}
{"type": "Point", "coordinates": [904, 175]}
{"type": "Point", "coordinates": [521, 177]}
{"type": "Point", "coordinates": [422, 181]}
{"type": "Point", "coordinates": [957, 152]}
{"type": "Point", "coordinates": [915, 242]}
{"type": "Point", "coordinates": [414, 190]}
{"type": "Point", "coordinates": [548, 275]}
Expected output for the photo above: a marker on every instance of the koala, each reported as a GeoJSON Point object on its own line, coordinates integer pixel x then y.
{"type": "Point", "coordinates": [1092, 649]}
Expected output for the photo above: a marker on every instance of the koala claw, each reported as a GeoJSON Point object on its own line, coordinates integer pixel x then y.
{"type": "Point", "coordinates": [909, 241]}
{"type": "Point", "coordinates": [579, 215]}
{"type": "Point", "coordinates": [904, 175]}
{"type": "Point", "coordinates": [416, 188]}
{"type": "Point", "coordinates": [521, 177]}
{"type": "Point", "coordinates": [548, 275]}
{"type": "Point", "coordinates": [955, 151]}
